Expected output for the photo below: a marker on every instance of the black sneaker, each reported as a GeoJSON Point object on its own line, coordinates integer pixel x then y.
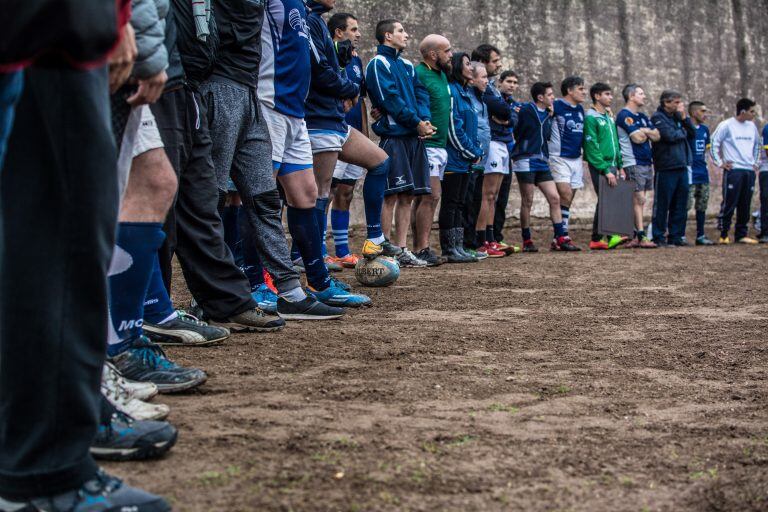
{"type": "Point", "coordinates": [662, 244]}
{"type": "Point", "coordinates": [102, 493]}
{"type": "Point", "coordinates": [529, 246]}
{"type": "Point", "coordinates": [432, 259]}
{"type": "Point", "coordinates": [145, 361]}
{"type": "Point", "coordinates": [390, 249]}
{"type": "Point", "coordinates": [185, 330]}
{"type": "Point", "coordinates": [680, 242]}
{"type": "Point", "coordinates": [307, 309]}
{"type": "Point", "coordinates": [253, 320]}
{"type": "Point", "coordinates": [122, 438]}
{"type": "Point", "coordinates": [763, 239]}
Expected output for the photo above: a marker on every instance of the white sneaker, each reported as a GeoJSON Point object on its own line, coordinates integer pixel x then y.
{"type": "Point", "coordinates": [115, 389]}
{"type": "Point", "coordinates": [408, 259]}
{"type": "Point", "coordinates": [143, 391]}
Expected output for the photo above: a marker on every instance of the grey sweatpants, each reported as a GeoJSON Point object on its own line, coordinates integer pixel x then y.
{"type": "Point", "coordinates": [242, 150]}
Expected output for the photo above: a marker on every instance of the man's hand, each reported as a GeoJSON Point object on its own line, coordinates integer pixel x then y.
{"type": "Point", "coordinates": [681, 110]}
{"type": "Point", "coordinates": [376, 114]}
{"type": "Point", "coordinates": [350, 103]}
{"type": "Point", "coordinates": [122, 59]}
{"type": "Point", "coordinates": [728, 166]}
{"type": "Point", "coordinates": [425, 129]}
{"type": "Point", "coordinates": [612, 181]}
{"type": "Point", "coordinates": [622, 174]}
{"type": "Point", "coordinates": [498, 121]}
{"type": "Point", "coordinates": [149, 90]}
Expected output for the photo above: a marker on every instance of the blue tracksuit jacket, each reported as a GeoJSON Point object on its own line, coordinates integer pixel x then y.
{"type": "Point", "coordinates": [531, 134]}
{"type": "Point", "coordinates": [463, 147]}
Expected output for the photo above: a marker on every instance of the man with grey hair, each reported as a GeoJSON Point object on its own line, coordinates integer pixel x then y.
{"type": "Point", "coordinates": [635, 137]}
{"type": "Point", "coordinates": [433, 72]}
{"type": "Point", "coordinates": [671, 158]}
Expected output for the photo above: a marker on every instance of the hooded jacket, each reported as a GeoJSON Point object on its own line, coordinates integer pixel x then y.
{"type": "Point", "coordinates": [671, 152]}
{"type": "Point", "coordinates": [531, 134]}
{"type": "Point", "coordinates": [198, 54]}
{"type": "Point", "coordinates": [395, 90]}
{"type": "Point", "coordinates": [148, 22]}
{"type": "Point", "coordinates": [239, 52]}
{"type": "Point", "coordinates": [483, 122]}
{"type": "Point", "coordinates": [463, 147]}
{"type": "Point", "coordinates": [601, 142]}
{"type": "Point", "coordinates": [502, 109]}
{"type": "Point", "coordinates": [329, 86]}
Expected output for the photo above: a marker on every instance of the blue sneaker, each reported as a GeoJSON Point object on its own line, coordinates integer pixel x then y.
{"type": "Point", "coordinates": [145, 361]}
{"type": "Point", "coordinates": [121, 437]}
{"type": "Point", "coordinates": [334, 295]}
{"type": "Point", "coordinates": [265, 298]}
{"type": "Point", "coordinates": [341, 284]}
{"type": "Point", "coordinates": [102, 493]}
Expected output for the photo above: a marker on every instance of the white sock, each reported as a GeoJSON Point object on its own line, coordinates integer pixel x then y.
{"type": "Point", "coordinates": [295, 295]}
{"type": "Point", "coordinates": [378, 240]}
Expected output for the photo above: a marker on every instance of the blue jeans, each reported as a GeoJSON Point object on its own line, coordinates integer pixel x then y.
{"type": "Point", "coordinates": [670, 205]}
{"type": "Point", "coordinates": [10, 90]}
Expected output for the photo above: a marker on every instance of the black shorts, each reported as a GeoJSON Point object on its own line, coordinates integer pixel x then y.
{"type": "Point", "coordinates": [534, 177]}
{"type": "Point", "coordinates": [336, 181]}
{"type": "Point", "coordinates": [409, 166]}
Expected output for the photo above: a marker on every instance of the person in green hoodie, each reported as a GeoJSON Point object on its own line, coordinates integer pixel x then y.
{"type": "Point", "coordinates": [603, 154]}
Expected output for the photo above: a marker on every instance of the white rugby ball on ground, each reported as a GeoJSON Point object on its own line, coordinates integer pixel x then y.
{"type": "Point", "coordinates": [379, 272]}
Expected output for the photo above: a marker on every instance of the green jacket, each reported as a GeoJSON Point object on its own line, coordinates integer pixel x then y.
{"type": "Point", "coordinates": [601, 142]}
{"type": "Point", "coordinates": [436, 84]}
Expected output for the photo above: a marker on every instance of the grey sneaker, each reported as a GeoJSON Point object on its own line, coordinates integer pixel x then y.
{"type": "Point", "coordinates": [432, 259]}
{"type": "Point", "coordinates": [408, 260]}
{"type": "Point", "coordinates": [253, 320]}
{"type": "Point", "coordinates": [102, 493]}
{"type": "Point", "coordinates": [185, 330]}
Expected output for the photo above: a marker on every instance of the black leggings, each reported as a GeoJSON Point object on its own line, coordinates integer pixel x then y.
{"type": "Point", "coordinates": [453, 199]}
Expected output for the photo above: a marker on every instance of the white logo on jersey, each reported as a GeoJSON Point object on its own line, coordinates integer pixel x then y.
{"type": "Point", "coordinates": [358, 72]}
{"type": "Point", "coordinates": [298, 23]}
{"type": "Point", "coordinates": [130, 324]}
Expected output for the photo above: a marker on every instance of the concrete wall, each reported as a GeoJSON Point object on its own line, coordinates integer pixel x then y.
{"type": "Point", "coordinates": [710, 50]}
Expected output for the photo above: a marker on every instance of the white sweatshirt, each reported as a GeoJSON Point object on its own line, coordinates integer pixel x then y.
{"type": "Point", "coordinates": [736, 142]}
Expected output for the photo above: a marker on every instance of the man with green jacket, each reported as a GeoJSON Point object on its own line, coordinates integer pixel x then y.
{"type": "Point", "coordinates": [603, 154]}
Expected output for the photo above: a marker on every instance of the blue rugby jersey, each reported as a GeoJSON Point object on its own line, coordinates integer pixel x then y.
{"type": "Point", "coordinates": [699, 147]}
{"type": "Point", "coordinates": [285, 69]}
{"type": "Point", "coordinates": [355, 74]}
{"type": "Point", "coordinates": [628, 122]}
{"type": "Point", "coordinates": [567, 130]}
{"type": "Point", "coordinates": [763, 157]}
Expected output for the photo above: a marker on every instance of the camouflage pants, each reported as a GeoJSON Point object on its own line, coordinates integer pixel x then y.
{"type": "Point", "coordinates": [699, 197]}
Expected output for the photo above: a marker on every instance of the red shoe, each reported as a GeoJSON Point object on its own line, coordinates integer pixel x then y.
{"type": "Point", "coordinates": [348, 261]}
{"type": "Point", "coordinates": [600, 245]}
{"type": "Point", "coordinates": [633, 244]}
{"type": "Point", "coordinates": [565, 244]}
{"type": "Point", "coordinates": [489, 249]}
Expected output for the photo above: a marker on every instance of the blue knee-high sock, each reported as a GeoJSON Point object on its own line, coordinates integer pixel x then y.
{"type": "Point", "coordinates": [302, 223]}
{"type": "Point", "coordinates": [157, 304]}
{"type": "Point", "coordinates": [701, 217]}
{"type": "Point", "coordinates": [340, 230]}
{"type": "Point", "coordinates": [321, 214]}
{"type": "Point", "coordinates": [373, 196]}
{"type": "Point", "coordinates": [135, 249]}
{"type": "Point", "coordinates": [559, 229]}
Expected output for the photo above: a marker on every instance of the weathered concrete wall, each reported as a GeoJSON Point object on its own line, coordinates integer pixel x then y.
{"type": "Point", "coordinates": [713, 50]}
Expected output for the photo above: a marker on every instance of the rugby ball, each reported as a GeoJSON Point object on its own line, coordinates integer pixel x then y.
{"type": "Point", "coordinates": [379, 272]}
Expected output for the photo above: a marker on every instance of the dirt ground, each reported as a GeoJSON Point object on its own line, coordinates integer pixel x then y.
{"type": "Point", "coordinates": [613, 381]}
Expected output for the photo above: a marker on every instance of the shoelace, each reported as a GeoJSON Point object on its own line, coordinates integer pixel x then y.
{"type": "Point", "coordinates": [114, 386]}
{"type": "Point", "coordinates": [189, 318]}
{"type": "Point", "coordinates": [153, 356]}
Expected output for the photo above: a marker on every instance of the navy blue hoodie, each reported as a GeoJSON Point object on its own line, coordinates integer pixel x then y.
{"type": "Point", "coordinates": [324, 108]}
{"type": "Point", "coordinates": [531, 134]}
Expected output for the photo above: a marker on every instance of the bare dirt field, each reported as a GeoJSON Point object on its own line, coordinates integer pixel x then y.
{"type": "Point", "coordinates": [614, 381]}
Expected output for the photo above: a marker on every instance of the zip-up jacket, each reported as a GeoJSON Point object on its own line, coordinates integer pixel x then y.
{"type": "Point", "coordinates": [175, 70]}
{"type": "Point", "coordinates": [198, 55]}
{"type": "Point", "coordinates": [601, 142]}
{"type": "Point", "coordinates": [330, 85]}
{"type": "Point", "coordinates": [239, 54]}
{"type": "Point", "coordinates": [502, 109]}
{"type": "Point", "coordinates": [463, 147]}
{"type": "Point", "coordinates": [671, 152]}
{"type": "Point", "coordinates": [483, 122]}
{"type": "Point", "coordinates": [148, 22]}
{"type": "Point", "coordinates": [531, 134]}
{"type": "Point", "coordinates": [395, 90]}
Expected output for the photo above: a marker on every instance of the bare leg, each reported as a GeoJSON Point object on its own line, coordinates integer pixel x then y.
{"type": "Point", "coordinates": [150, 190]}
{"type": "Point", "coordinates": [386, 214]}
{"type": "Point", "coordinates": [566, 194]}
{"type": "Point", "coordinates": [491, 184]}
{"type": "Point", "coordinates": [403, 218]}
{"type": "Point", "coordinates": [425, 214]}
{"type": "Point", "coordinates": [638, 204]}
{"type": "Point", "coordinates": [526, 203]}
{"type": "Point", "coordinates": [324, 164]}
{"type": "Point", "coordinates": [550, 192]}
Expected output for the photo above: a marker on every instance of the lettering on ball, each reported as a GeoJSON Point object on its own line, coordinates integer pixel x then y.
{"type": "Point", "coordinates": [372, 272]}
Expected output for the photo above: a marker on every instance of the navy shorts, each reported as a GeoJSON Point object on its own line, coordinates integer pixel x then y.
{"type": "Point", "coordinates": [534, 177]}
{"type": "Point", "coordinates": [409, 165]}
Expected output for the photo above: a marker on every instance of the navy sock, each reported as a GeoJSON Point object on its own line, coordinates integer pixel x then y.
{"type": "Point", "coordinates": [373, 197]}
{"type": "Point", "coordinates": [489, 233]}
{"type": "Point", "coordinates": [559, 229]}
{"type": "Point", "coordinates": [480, 237]}
{"type": "Point", "coordinates": [302, 223]}
{"type": "Point", "coordinates": [526, 234]}
{"type": "Point", "coordinates": [157, 303]}
{"type": "Point", "coordinates": [131, 267]}
{"type": "Point", "coordinates": [701, 217]}
{"type": "Point", "coordinates": [340, 230]}
{"type": "Point", "coordinates": [321, 209]}
{"type": "Point", "coordinates": [565, 211]}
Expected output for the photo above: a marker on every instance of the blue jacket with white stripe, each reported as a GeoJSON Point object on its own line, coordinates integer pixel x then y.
{"type": "Point", "coordinates": [463, 147]}
{"type": "Point", "coordinates": [531, 134]}
{"type": "Point", "coordinates": [394, 89]}
{"type": "Point", "coordinates": [329, 86]}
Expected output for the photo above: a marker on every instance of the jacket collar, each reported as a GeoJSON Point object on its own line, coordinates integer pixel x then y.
{"type": "Point", "coordinates": [316, 7]}
{"type": "Point", "coordinates": [661, 109]}
{"type": "Point", "coordinates": [388, 51]}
